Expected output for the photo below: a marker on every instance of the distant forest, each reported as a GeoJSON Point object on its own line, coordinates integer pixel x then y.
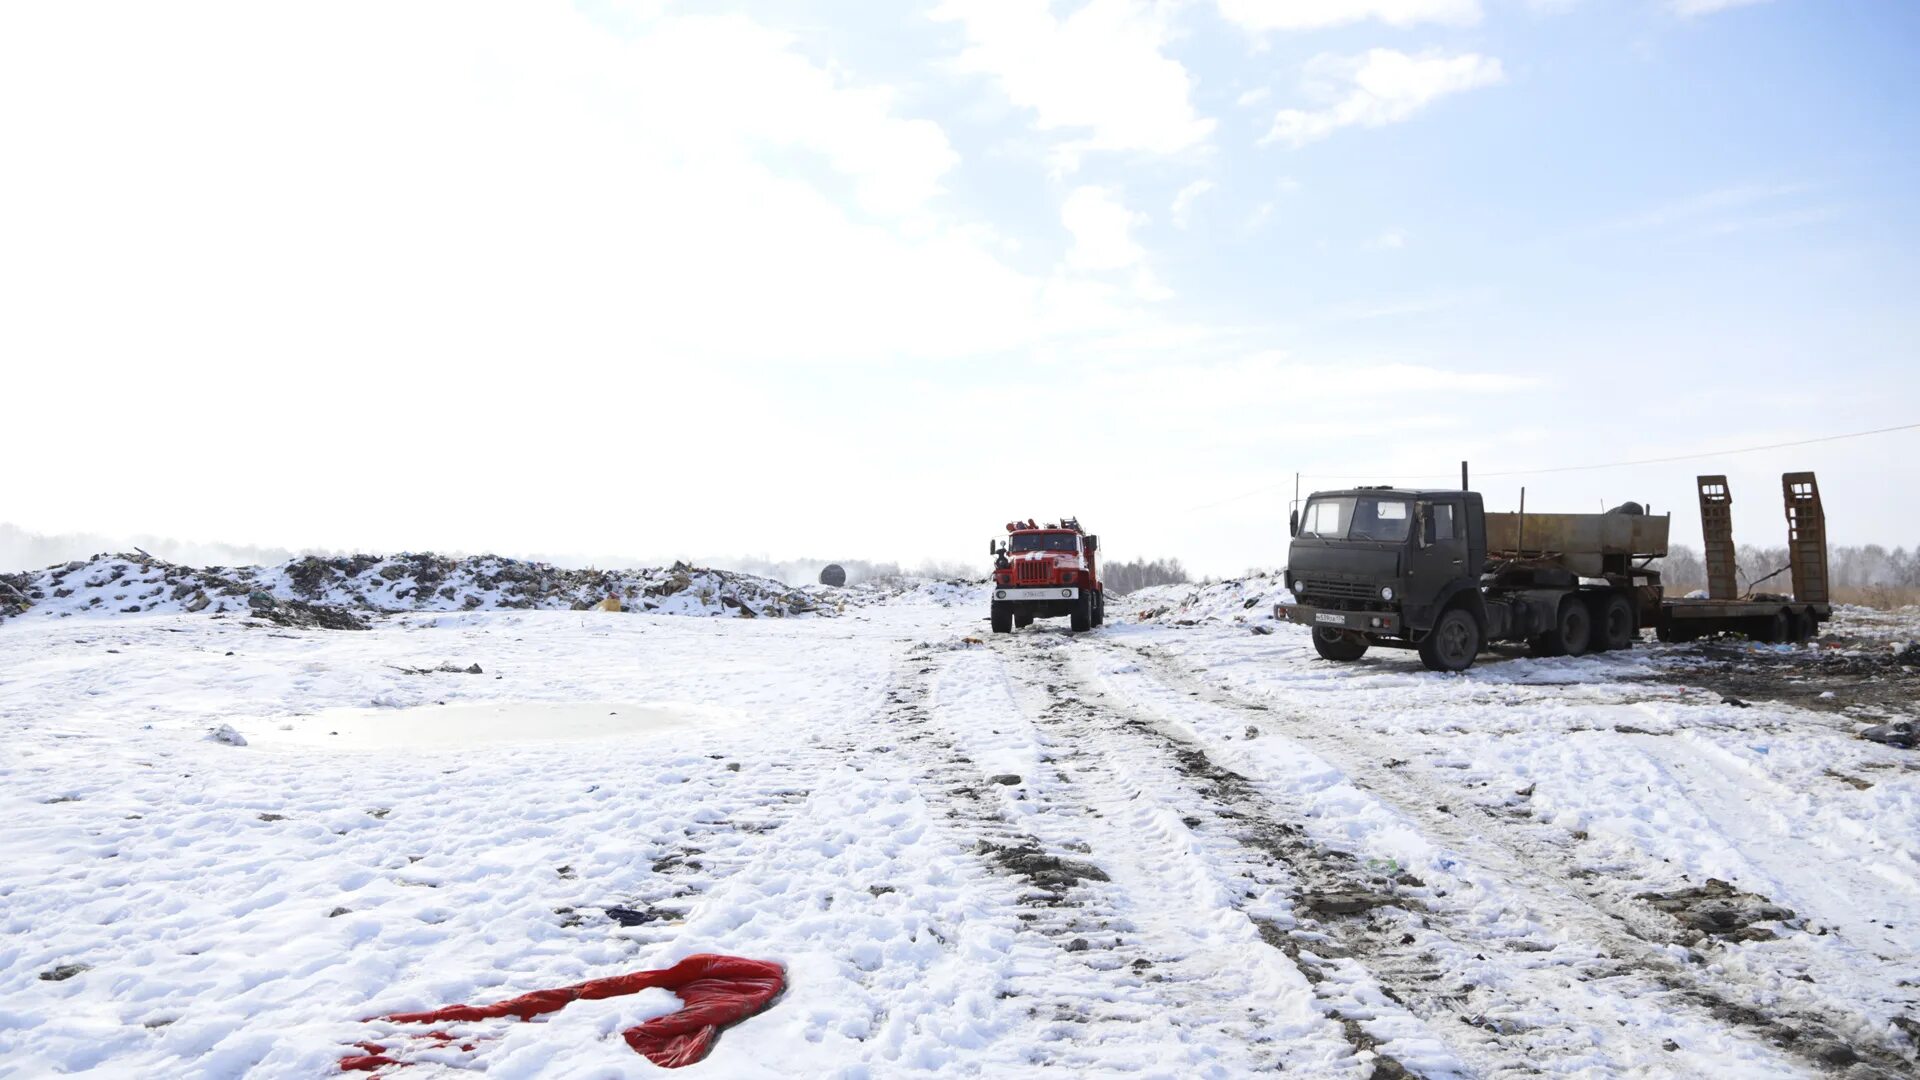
{"type": "Point", "coordinates": [1124, 577]}
{"type": "Point", "coordinates": [1863, 567]}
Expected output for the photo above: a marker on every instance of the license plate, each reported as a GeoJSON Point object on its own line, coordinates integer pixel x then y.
{"type": "Point", "coordinates": [1330, 617]}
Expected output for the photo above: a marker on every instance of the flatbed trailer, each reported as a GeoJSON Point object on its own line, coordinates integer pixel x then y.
{"type": "Point", "coordinates": [1760, 616]}
{"type": "Point", "coordinates": [1761, 620]}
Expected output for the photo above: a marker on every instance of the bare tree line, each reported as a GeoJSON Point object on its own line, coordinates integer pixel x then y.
{"type": "Point", "coordinates": [1122, 578]}
{"type": "Point", "coordinates": [1864, 566]}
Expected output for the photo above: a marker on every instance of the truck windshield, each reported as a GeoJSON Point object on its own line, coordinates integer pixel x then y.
{"type": "Point", "coordinates": [1367, 517]}
{"type": "Point", "coordinates": [1063, 541]}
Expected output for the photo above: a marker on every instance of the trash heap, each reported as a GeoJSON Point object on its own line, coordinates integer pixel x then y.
{"type": "Point", "coordinates": [304, 589]}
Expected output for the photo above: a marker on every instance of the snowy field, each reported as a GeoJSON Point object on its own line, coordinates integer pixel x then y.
{"type": "Point", "coordinates": [1156, 849]}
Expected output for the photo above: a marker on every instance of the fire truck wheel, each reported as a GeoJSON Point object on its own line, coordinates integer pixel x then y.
{"type": "Point", "coordinates": [1081, 618]}
{"type": "Point", "coordinates": [1453, 644]}
{"type": "Point", "coordinates": [1100, 608]}
{"type": "Point", "coordinates": [1002, 619]}
{"type": "Point", "coordinates": [1338, 645]}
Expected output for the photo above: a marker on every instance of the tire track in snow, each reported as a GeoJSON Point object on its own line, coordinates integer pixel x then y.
{"type": "Point", "coordinates": [1111, 986]}
{"type": "Point", "coordinates": [1256, 886]}
{"type": "Point", "coordinates": [1638, 942]}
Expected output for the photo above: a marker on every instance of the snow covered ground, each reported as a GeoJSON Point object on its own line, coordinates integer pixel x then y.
{"type": "Point", "coordinates": [1157, 849]}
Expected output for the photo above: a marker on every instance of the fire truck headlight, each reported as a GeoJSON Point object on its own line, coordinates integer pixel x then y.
{"type": "Point", "coordinates": [1000, 594]}
{"type": "Point", "coordinates": [1386, 592]}
{"type": "Point", "coordinates": [1066, 592]}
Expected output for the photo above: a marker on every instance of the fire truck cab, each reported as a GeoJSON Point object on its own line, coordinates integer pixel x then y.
{"type": "Point", "coordinates": [1046, 572]}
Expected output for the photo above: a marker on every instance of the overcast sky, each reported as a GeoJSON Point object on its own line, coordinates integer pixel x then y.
{"type": "Point", "coordinates": [869, 279]}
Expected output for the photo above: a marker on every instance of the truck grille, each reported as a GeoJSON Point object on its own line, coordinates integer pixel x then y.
{"type": "Point", "coordinates": [1031, 573]}
{"type": "Point", "coordinates": [1343, 590]}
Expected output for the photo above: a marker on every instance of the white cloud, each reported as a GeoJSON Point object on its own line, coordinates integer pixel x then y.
{"type": "Point", "coordinates": [1691, 8]}
{"type": "Point", "coordinates": [1391, 240]}
{"type": "Point", "coordinates": [560, 246]}
{"type": "Point", "coordinates": [1260, 16]}
{"type": "Point", "coordinates": [1253, 97]}
{"type": "Point", "coordinates": [1183, 201]}
{"type": "Point", "coordinates": [1099, 75]}
{"type": "Point", "coordinates": [1102, 229]}
{"type": "Point", "coordinates": [1379, 87]}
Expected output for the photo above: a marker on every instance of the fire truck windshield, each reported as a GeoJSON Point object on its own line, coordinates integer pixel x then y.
{"type": "Point", "coordinates": [1044, 541]}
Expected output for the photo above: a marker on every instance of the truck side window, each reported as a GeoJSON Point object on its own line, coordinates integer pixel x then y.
{"type": "Point", "coordinates": [1442, 521]}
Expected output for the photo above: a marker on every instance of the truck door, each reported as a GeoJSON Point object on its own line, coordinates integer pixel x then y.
{"type": "Point", "coordinates": [1438, 555]}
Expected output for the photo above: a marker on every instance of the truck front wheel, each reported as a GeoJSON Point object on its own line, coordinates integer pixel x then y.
{"type": "Point", "coordinates": [1453, 644]}
{"type": "Point", "coordinates": [1002, 619]}
{"type": "Point", "coordinates": [1338, 645]}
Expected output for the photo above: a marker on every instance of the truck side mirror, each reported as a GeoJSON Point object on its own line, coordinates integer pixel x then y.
{"type": "Point", "coordinates": [1093, 543]}
{"type": "Point", "coordinates": [1426, 525]}
{"type": "Point", "coordinates": [993, 547]}
{"type": "Point", "coordinates": [1293, 524]}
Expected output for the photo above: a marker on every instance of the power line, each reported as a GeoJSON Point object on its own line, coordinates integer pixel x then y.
{"type": "Point", "coordinates": [1564, 468]}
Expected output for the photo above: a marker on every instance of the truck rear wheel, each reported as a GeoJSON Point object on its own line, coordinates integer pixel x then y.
{"type": "Point", "coordinates": [1612, 623]}
{"type": "Point", "coordinates": [1571, 634]}
{"type": "Point", "coordinates": [1453, 644]}
{"type": "Point", "coordinates": [1081, 619]}
{"type": "Point", "coordinates": [1774, 629]}
{"type": "Point", "coordinates": [1100, 608]}
{"type": "Point", "coordinates": [1338, 645]}
{"type": "Point", "coordinates": [1002, 619]}
{"type": "Point", "coordinates": [1805, 626]}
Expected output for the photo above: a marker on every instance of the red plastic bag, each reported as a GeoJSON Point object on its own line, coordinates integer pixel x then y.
{"type": "Point", "coordinates": [715, 992]}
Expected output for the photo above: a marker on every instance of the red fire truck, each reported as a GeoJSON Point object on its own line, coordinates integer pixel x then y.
{"type": "Point", "coordinates": [1045, 572]}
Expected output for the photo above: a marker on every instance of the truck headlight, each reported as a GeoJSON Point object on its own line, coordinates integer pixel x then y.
{"type": "Point", "coordinates": [1000, 594]}
{"type": "Point", "coordinates": [1066, 593]}
{"type": "Point", "coordinates": [1386, 592]}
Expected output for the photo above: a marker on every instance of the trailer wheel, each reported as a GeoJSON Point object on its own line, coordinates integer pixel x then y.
{"type": "Point", "coordinates": [1612, 623]}
{"type": "Point", "coordinates": [1002, 619]}
{"type": "Point", "coordinates": [1805, 626]}
{"type": "Point", "coordinates": [1081, 618]}
{"type": "Point", "coordinates": [1773, 629]}
{"type": "Point", "coordinates": [1338, 645]}
{"type": "Point", "coordinates": [1453, 644]}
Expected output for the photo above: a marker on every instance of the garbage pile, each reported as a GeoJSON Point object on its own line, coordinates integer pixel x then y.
{"type": "Point", "coordinates": [306, 591]}
{"type": "Point", "coordinates": [1247, 600]}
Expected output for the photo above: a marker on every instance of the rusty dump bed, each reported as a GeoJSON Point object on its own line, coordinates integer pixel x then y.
{"type": "Point", "coordinates": [1578, 541]}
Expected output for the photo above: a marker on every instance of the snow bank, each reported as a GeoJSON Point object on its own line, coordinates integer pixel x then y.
{"type": "Point", "coordinates": [1237, 600]}
{"type": "Point", "coordinates": [141, 584]}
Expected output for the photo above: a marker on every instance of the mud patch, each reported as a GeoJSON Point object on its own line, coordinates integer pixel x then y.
{"type": "Point", "coordinates": [1868, 679]}
{"type": "Point", "coordinates": [1718, 910]}
{"type": "Point", "coordinates": [1051, 873]}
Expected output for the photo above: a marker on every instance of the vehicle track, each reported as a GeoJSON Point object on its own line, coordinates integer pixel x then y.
{"type": "Point", "coordinates": [1095, 910]}
{"type": "Point", "coordinates": [1639, 942]}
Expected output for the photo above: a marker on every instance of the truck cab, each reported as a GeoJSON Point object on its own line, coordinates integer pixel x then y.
{"type": "Point", "coordinates": [1380, 565]}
